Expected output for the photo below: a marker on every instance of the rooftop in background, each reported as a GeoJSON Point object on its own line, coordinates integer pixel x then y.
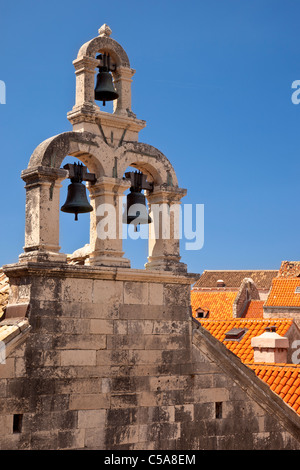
{"type": "Point", "coordinates": [217, 305]}
{"type": "Point", "coordinates": [284, 380]}
{"type": "Point", "coordinates": [255, 309]}
{"type": "Point", "coordinates": [241, 346]}
{"type": "Point", "coordinates": [285, 292]}
{"type": "Point", "coordinates": [217, 299]}
{"type": "Point", "coordinates": [233, 279]}
{"type": "Point", "coordinates": [289, 269]}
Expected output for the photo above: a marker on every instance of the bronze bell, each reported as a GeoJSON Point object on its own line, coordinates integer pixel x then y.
{"type": "Point", "coordinates": [104, 90]}
{"type": "Point", "coordinates": [136, 201]}
{"type": "Point", "coordinates": [77, 202]}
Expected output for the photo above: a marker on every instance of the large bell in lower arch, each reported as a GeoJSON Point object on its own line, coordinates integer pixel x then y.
{"type": "Point", "coordinates": [76, 202]}
{"type": "Point", "coordinates": [136, 210]}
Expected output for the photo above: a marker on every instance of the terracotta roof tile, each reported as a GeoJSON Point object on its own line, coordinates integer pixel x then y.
{"type": "Point", "coordinates": [253, 327]}
{"type": "Point", "coordinates": [219, 304]}
{"type": "Point", "coordinates": [282, 293]}
{"type": "Point", "coordinates": [286, 380]}
{"type": "Point", "coordinates": [283, 379]}
{"type": "Point", "coordinates": [254, 309]}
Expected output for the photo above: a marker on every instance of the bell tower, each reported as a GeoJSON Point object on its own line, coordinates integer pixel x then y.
{"type": "Point", "coordinates": [106, 143]}
{"type": "Point", "coordinates": [110, 345]}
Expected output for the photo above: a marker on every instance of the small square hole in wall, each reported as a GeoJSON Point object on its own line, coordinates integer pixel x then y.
{"type": "Point", "coordinates": [17, 423]}
{"type": "Point", "coordinates": [219, 410]}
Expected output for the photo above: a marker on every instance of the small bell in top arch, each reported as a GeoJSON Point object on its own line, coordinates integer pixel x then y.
{"type": "Point", "coordinates": [104, 90]}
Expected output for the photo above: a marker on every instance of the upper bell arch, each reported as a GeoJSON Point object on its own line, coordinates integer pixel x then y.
{"type": "Point", "coordinates": [86, 111]}
{"type": "Point", "coordinates": [104, 42]}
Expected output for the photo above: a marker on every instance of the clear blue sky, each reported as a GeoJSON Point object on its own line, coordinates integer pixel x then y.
{"type": "Point", "coordinates": [213, 81]}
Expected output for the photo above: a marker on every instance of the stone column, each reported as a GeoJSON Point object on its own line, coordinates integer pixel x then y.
{"type": "Point", "coordinates": [85, 81]}
{"type": "Point", "coordinates": [165, 230]}
{"type": "Point", "coordinates": [42, 214]}
{"type": "Point", "coordinates": [122, 82]}
{"type": "Point", "coordinates": [106, 222]}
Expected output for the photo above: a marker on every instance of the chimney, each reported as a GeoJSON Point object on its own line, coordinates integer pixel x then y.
{"type": "Point", "coordinates": [270, 347]}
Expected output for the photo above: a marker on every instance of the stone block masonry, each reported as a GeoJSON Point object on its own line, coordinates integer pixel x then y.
{"type": "Point", "coordinates": [110, 363]}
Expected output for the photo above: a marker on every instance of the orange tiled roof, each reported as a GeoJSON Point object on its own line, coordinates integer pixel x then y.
{"type": "Point", "coordinates": [255, 309]}
{"type": "Point", "coordinates": [254, 327]}
{"type": "Point", "coordinates": [284, 380]}
{"type": "Point", "coordinates": [282, 293]}
{"type": "Point", "coordinates": [219, 304]}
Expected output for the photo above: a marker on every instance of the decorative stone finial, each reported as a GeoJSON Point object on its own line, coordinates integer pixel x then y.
{"type": "Point", "coordinates": [104, 30]}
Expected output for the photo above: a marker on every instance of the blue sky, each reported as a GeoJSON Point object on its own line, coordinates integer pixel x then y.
{"type": "Point", "coordinates": [213, 82]}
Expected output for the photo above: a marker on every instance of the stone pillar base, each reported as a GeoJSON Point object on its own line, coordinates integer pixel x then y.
{"type": "Point", "coordinates": [109, 260]}
{"type": "Point", "coordinates": [38, 256]}
{"type": "Point", "coordinates": [166, 263]}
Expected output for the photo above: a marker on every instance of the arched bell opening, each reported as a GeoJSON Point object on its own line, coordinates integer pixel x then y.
{"type": "Point", "coordinates": [105, 92]}
{"type": "Point", "coordinates": [135, 217]}
{"type": "Point", "coordinates": [44, 177]}
{"type": "Point", "coordinates": [76, 208]}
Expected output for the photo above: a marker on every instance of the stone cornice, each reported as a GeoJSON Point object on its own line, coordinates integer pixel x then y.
{"type": "Point", "coordinates": [90, 113]}
{"type": "Point", "coordinates": [40, 173]}
{"type": "Point", "coordinates": [64, 270]}
{"type": "Point", "coordinates": [119, 120]}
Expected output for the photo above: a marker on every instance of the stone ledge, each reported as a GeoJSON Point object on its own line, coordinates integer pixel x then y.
{"type": "Point", "coordinates": [64, 270]}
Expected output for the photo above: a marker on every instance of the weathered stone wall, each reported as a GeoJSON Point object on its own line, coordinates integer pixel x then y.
{"type": "Point", "coordinates": [283, 312]}
{"type": "Point", "coordinates": [110, 364]}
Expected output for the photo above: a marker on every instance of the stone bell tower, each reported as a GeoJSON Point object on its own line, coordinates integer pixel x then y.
{"type": "Point", "coordinates": [109, 345]}
{"type": "Point", "coordinates": [107, 143]}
